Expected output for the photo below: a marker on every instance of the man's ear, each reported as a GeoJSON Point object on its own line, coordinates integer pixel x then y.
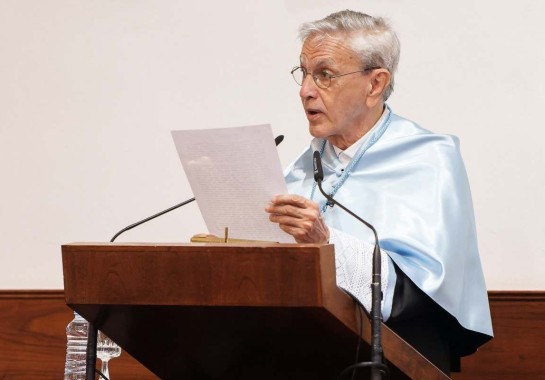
{"type": "Point", "coordinates": [380, 79]}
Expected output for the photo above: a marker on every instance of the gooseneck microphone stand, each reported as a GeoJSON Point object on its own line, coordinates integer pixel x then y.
{"type": "Point", "coordinates": [152, 217]}
{"type": "Point", "coordinates": [377, 361]}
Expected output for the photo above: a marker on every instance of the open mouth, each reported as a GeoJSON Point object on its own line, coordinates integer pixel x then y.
{"type": "Point", "coordinates": [313, 112]}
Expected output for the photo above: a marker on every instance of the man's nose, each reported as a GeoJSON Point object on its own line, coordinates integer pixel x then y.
{"type": "Point", "coordinates": [308, 87]}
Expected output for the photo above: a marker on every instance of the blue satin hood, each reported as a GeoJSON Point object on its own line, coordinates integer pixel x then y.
{"type": "Point", "coordinates": [412, 186]}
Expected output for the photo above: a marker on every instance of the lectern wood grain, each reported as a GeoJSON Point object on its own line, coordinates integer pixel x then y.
{"type": "Point", "coordinates": [225, 311]}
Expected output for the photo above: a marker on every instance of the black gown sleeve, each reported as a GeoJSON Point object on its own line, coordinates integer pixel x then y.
{"type": "Point", "coordinates": [428, 327]}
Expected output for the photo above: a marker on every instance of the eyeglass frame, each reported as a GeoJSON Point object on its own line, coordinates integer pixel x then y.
{"type": "Point", "coordinates": [314, 76]}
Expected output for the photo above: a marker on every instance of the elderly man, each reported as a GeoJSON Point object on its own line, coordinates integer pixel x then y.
{"type": "Point", "coordinates": [406, 181]}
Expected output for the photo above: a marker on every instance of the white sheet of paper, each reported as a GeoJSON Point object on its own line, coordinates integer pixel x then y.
{"type": "Point", "coordinates": [234, 173]}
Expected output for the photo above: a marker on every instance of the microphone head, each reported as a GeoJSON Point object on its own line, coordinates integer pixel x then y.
{"type": "Point", "coordinates": [318, 171]}
{"type": "Point", "coordinates": [278, 139]}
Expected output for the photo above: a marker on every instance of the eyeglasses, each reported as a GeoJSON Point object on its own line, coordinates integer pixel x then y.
{"type": "Point", "coordinates": [323, 78]}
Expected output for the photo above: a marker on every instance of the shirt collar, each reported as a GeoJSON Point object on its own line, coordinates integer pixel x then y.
{"type": "Point", "coordinates": [345, 156]}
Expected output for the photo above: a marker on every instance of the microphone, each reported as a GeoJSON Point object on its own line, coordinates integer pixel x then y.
{"type": "Point", "coordinates": [377, 363]}
{"type": "Point", "coordinates": [277, 140]}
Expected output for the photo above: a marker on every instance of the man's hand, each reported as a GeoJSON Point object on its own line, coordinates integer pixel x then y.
{"type": "Point", "coordinates": [299, 217]}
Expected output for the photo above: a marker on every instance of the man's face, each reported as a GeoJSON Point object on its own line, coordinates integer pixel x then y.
{"type": "Point", "coordinates": [339, 112]}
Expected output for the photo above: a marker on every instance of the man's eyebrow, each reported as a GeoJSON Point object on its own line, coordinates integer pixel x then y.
{"type": "Point", "coordinates": [322, 62]}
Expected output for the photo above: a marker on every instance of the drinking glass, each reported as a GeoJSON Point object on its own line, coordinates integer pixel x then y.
{"type": "Point", "coordinates": [106, 349]}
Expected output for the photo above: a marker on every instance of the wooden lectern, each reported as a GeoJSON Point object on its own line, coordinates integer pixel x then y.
{"type": "Point", "coordinates": [223, 311]}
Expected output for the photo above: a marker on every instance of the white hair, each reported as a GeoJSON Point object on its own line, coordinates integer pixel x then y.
{"type": "Point", "coordinates": [371, 38]}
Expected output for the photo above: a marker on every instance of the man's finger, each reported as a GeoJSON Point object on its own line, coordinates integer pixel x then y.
{"type": "Point", "coordinates": [290, 221]}
{"type": "Point", "coordinates": [287, 210]}
{"type": "Point", "coordinates": [291, 199]}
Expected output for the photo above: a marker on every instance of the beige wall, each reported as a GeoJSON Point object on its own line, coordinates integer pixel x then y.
{"type": "Point", "coordinates": [89, 91]}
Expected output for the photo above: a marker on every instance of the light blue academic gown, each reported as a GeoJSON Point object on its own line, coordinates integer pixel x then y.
{"type": "Point", "coordinates": [411, 185]}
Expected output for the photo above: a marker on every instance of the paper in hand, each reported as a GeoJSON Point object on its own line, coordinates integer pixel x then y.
{"type": "Point", "coordinates": [234, 173]}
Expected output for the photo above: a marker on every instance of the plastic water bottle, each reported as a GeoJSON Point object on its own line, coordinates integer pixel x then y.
{"type": "Point", "coordinates": [76, 349]}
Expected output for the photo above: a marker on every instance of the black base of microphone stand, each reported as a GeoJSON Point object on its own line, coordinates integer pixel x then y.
{"type": "Point", "coordinates": [91, 358]}
{"type": "Point", "coordinates": [378, 367]}
{"type": "Point", "coordinates": [377, 356]}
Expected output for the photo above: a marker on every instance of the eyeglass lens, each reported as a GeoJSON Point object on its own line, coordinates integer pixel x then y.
{"type": "Point", "coordinates": [299, 75]}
